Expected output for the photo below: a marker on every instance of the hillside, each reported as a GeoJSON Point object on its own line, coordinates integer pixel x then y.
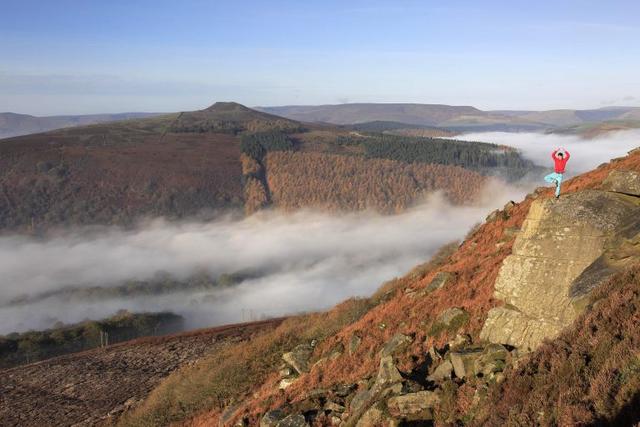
{"type": "Point", "coordinates": [531, 320]}
{"type": "Point", "coordinates": [594, 130]}
{"type": "Point", "coordinates": [453, 118]}
{"type": "Point", "coordinates": [397, 128]}
{"type": "Point", "coordinates": [12, 124]}
{"type": "Point", "coordinates": [446, 116]}
{"type": "Point", "coordinates": [191, 164]}
{"type": "Point", "coordinates": [342, 183]}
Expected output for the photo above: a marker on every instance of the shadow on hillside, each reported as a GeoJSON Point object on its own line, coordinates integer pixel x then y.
{"type": "Point", "coordinates": [629, 415]}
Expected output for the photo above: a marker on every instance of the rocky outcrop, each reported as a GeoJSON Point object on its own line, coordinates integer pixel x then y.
{"type": "Point", "coordinates": [625, 182]}
{"type": "Point", "coordinates": [396, 344]}
{"type": "Point", "coordinates": [272, 418]}
{"type": "Point", "coordinates": [439, 280]}
{"type": "Point", "coordinates": [413, 406]}
{"type": "Point", "coordinates": [463, 361]}
{"type": "Point", "coordinates": [566, 247]}
{"type": "Point", "coordinates": [296, 363]}
{"type": "Point", "coordinates": [450, 320]}
{"type": "Point", "coordinates": [296, 420]}
{"type": "Point", "coordinates": [299, 357]}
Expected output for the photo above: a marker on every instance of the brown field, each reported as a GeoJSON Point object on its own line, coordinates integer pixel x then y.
{"type": "Point", "coordinates": [98, 385]}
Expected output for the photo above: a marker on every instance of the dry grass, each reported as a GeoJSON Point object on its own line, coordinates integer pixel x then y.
{"type": "Point", "coordinates": [225, 377]}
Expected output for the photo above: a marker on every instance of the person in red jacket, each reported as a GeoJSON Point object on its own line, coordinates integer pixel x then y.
{"type": "Point", "coordinates": [560, 157]}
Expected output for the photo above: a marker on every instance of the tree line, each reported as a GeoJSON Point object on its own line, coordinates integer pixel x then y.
{"type": "Point", "coordinates": [471, 155]}
{"type": "Point", "coordinates": [31, 346]}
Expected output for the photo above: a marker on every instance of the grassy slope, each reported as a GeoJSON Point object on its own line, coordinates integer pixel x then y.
{"type": "Point", "coordinates": [394, 309]}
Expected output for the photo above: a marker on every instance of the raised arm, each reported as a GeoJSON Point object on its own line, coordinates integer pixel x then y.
{"type": "Point", "coordinates": [553, 155]}
{"type": "Point", "coordinates": [567, 155]}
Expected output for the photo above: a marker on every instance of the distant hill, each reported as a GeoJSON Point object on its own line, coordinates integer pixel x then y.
{"type": "Point", "coordinates": [454, 118]}
{"type": "Point", "coordinates": [12, 124]}
{"type": "Point", "coordinates": [594, 130]}
{"type": "Point", "coordinates": [451, 117]}
{"type": "Point", "coordinates": [218, 159]}
{"type": "Point", "coordinates": [398, 128]}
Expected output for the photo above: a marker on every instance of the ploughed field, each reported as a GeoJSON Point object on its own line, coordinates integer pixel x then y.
{"type": "Point", "coordinates": [99, 385]}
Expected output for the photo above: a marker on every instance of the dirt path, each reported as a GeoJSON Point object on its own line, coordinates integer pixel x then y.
{"type": "Point", "coordinates": [97, 385]}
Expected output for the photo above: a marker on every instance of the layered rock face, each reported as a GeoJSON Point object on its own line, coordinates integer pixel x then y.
{"type": "Point", "coordinates": [565, 248]}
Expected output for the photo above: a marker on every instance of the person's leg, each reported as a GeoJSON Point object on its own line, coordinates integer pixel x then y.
{"type": "Point", "coordinates": [559, 181]}
{"type": "Point", "coordinates": [550, 178]}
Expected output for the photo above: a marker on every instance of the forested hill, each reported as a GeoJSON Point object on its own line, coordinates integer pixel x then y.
{"type": "Point", "coordinates": [200, 163]}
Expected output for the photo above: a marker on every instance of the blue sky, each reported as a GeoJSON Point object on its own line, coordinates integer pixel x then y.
{"type": "Point", "coordinates": [77, 57]}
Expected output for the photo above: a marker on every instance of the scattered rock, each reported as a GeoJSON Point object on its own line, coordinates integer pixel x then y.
{"type": "Point", "coordinates": [434, 354]}
{"type": "Point", "coordinates": [293, 421]}
{"type": "Point", "coordinates": [334, 407]}
{"type": "Point", "coordinates": [439, 281]}
{"type": "Point", "coordinates": [461, 340]}
{"type": "Point", "coordinates": [622, 181]}
{"type": "Point", "coordinates": [272, 418]}
{"type": "Point", "coordinates": [410, 386]}
{"type": "Point", "coordinates": [463, 361]}
{"type": "Point", "coordinates": [343, 390]}
{"type": "Point", "coordinates": [509, 206]}
{"type": "Point", "coordinates": [287, 371]}
{"type": "Point", "coordinates": [387, 382]}
{"type": "Point", "coordinates": [286, 382]}
{"type": "Point", "coordinates": [336, 351]}
{"type": "Point", "coordinates": [442, 372]}
{"type": "Point", "coordinates": [354, 343]}
{"type": "Point", "coordinates": [493, 216]}
{"type": "Point", "coordinates": [492, 360]}
{"type": "Point", "coordinates": [451, 320]}
{"type": "Point", "coordinates": [388, 374]}
{"type": "Point", "coordinates": [299, 357]}
{"type": "Point", "coordinates": [361, 398]}
{"type": "Point", "coordinates": [451, 316]}
{"type": "Point", "coordinates": [375, 416]}
{"type": "Point", "coordinates": [396, 344]}
{"type": "Point", "coordinates": [413, 406]}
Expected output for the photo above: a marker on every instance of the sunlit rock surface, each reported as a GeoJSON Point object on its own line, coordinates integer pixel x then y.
{"type": "Point", "coordinates": [565, 249]}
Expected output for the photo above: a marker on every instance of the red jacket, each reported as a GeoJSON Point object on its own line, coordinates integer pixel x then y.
{"type": "Point", "coordinates": [560, 162]}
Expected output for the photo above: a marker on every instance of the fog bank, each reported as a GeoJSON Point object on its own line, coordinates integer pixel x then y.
{"type": "Point", "coordinates": [586, 154]}
{"type": "Point", "coordinates": [310, 261]}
